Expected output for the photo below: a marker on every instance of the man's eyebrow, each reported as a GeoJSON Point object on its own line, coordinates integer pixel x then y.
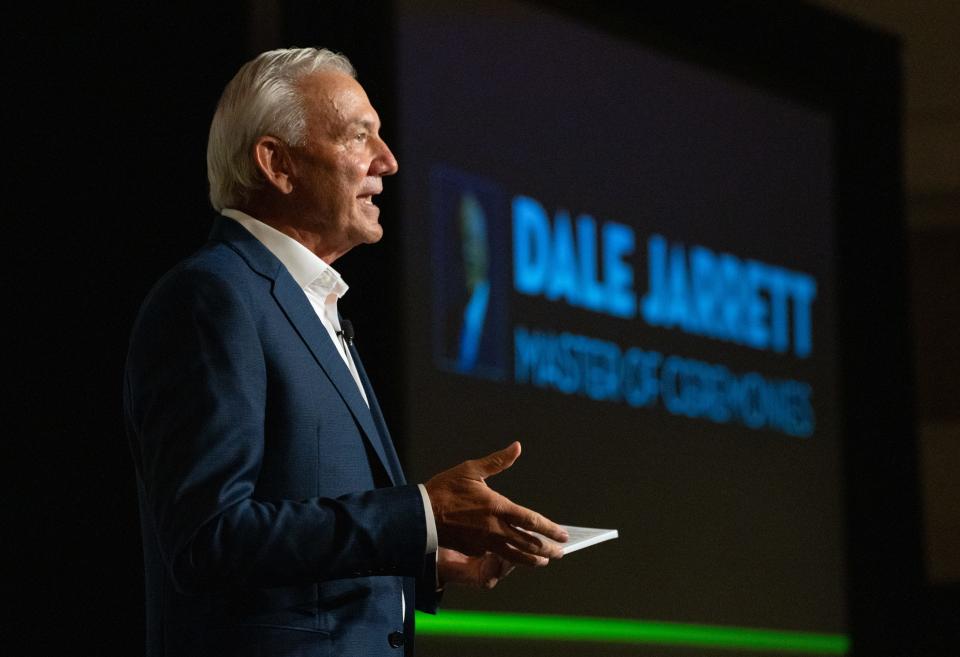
{"type": "Point", "coordinates": [365, 123]}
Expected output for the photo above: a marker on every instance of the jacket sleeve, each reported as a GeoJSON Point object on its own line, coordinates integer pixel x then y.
{"type": "Point", "coordinates": [196, 396]}
{"type": "Point", "coordinates": [428, 595]}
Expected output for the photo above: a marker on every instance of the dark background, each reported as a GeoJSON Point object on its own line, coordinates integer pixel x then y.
{"type": "Point", "coordinates": [108, 107]}
{"type": "Point", "coordinates": [718, 524]}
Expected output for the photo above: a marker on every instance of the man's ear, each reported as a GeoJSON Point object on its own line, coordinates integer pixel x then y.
{"type": "Point", "coordinates": [272, 157]}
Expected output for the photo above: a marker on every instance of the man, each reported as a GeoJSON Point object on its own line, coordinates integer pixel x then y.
{"type": "Point", "coordinates": [276, 518]}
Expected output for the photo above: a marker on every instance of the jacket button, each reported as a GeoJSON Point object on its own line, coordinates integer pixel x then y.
{"type": "Point", "coordinates": [396, 639]}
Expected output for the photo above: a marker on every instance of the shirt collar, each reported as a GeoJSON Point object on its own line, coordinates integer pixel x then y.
{"type": "Point", "coordinates": [310, 272]}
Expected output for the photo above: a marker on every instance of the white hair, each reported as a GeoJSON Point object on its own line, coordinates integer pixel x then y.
{"type": "Point", "coordinates": [261, 99]}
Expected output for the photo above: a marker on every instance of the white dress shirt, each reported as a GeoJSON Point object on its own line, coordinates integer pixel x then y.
{"type": "Point", "coordinates": [323, 286]}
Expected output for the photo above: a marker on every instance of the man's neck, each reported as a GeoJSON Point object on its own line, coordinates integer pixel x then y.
{"type": "Point", "coordinates": [277, 219]}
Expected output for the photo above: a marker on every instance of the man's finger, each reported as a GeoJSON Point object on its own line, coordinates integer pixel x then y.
{"type": "Point", "coordinates": [493, 568]}
{"type": "Point", "coordinates": [530, 520]}
{"type": "Point", "coordinates": [498, 566]}
{"type": "Point", "coordinates": [498, 461]}
{"type": "Point", "coordinates": [531, 543]}
{"type": "Point", "coordinates": [515, 556]}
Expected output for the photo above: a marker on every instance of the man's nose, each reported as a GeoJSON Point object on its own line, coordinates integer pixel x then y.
{"type": "Point", "coordinates": [384, 164]}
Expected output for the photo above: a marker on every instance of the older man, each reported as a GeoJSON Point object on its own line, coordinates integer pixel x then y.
{"type": "Point", "coordinates": [276, 518]}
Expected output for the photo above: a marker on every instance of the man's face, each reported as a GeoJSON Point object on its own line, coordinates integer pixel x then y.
{"type": "Point", "coordinates": [338, 170]}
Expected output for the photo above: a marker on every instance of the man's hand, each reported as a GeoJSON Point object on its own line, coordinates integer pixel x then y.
{"type": "Point", "coordinates": [483, 572]}
{"type": "Point", "coordinates": [474, 519]}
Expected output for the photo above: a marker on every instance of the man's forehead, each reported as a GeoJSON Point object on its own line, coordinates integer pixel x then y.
{"type": "Point", "coordinates": [338, 96]}
{"type": "Point", "coordinates": [331, 85]}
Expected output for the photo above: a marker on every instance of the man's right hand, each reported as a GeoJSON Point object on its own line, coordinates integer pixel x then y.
{"type": "Point", "coordinates": [473, 519]}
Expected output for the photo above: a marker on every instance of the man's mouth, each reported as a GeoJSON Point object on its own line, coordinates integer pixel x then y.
{"type": "Point", "coordinates": [367, 197]}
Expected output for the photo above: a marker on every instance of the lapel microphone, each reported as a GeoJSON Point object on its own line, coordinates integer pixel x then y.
{"type": "Point", "coordinates": [346, 330]}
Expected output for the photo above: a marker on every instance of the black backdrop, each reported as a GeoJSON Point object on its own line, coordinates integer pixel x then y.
{"type": "Point", "coordinates": [108, 106]}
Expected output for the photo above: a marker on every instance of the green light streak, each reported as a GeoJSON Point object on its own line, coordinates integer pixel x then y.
{"type": "Point", "coordinates": [622, 630]}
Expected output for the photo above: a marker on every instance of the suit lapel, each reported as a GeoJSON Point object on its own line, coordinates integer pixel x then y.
{"type": "Point", "coordinates": [296, 307]}
{"type": "Point", "coordinates": [388, 448]}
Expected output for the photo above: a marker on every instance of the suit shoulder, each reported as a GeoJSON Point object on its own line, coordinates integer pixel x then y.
{"type": "Point", "coordinates": [216, 274]}
{"type": "Point", "coordinates": [214, 260]}
{"type": "Point", "coordinates": [215, 263]}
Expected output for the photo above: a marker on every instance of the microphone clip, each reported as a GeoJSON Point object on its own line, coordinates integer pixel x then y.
{"type": "Point", "coordinates": [346, 331]}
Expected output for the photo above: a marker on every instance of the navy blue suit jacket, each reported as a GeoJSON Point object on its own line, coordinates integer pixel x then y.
{"type": "Point", "coordinates": [275, 515]}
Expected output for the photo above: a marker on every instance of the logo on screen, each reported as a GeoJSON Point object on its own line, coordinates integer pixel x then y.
{"type": "Point", "coordinates": [470, 257]}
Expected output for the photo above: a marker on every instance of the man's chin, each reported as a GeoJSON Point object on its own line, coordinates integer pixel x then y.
{"type": "Point", "coordinates": [368, 225]}
{"type": "Point", "coordinates": [370, 234]}
{"type": "Point", "coordinates": [375, 234]}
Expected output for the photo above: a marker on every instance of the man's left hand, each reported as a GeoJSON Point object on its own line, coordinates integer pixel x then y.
{"type": "Point", "coordinates": [481, 572]}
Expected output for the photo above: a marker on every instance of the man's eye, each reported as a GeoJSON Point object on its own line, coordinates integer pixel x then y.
{"type": "Point", "coordinates": [360, 136]}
